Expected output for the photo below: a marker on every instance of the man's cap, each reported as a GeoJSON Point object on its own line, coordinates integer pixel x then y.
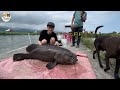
{"type": "Point", "coordinates": [51, 24]}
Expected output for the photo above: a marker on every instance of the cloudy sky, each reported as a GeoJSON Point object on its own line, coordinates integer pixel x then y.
{"type": "Point", "coordinates": [37, 20]}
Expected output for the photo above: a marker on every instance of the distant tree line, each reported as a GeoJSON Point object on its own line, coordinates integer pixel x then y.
{"type": "Point", "coordinates": [17, 33]}
{"type": "Point", "coordinates": [85, 34]}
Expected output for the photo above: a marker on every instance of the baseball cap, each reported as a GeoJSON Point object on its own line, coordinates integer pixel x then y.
{"type": "Point", "coordinates": [51, 24]}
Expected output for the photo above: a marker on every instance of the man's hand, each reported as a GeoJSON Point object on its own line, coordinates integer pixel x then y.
{"type": "Point", "coordinates": [39, 42]}
{"type": "Point", "coordinates": [72, 26]}
{"type": "Point", "coordinates": [57, 43]}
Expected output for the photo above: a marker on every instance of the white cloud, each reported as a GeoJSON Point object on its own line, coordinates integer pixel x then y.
{"type": "Point", "coordinates": [96, 18]}
{"type": "Point", "coordinates": [38, 19]}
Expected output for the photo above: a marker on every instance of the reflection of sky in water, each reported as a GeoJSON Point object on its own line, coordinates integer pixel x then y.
{"type": "Point", "coordinates": [10, 42]}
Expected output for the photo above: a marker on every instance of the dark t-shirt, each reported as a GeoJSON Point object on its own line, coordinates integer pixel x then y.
{"type": "Point", "coordinates": [45, 35]}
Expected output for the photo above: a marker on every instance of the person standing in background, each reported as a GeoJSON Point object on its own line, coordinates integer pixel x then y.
{"type": "Point", "coordinates": [77, 26]}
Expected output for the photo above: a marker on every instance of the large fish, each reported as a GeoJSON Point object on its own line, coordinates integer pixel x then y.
{"type": "Point", "coordinates": [48, 53]}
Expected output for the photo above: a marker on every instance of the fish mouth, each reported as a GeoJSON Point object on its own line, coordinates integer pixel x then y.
{"type": "Point", "coordinates": [73, 61]}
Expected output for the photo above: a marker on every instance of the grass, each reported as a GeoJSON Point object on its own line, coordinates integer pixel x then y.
{"type": "Point", "coordinates": [89, 43]}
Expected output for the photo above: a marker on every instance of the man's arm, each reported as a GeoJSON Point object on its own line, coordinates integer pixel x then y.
{"type": "Point", "coordinates": [56, 40]}
{"type": "Point", "coordinates": [72, 20]}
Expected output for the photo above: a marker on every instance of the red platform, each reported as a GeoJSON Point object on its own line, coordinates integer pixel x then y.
{"type": "Point", "coordinates": [34, 69]}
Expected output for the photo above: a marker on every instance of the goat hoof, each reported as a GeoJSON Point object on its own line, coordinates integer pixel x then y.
{"type": "Point", "coordinates": [106, 69]}
{"type": "Point", "coordinates": [101, 66]}
{"type": "Point", "coordinates": [116, 76]}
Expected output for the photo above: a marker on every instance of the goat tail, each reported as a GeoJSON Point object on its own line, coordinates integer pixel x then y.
{"type": "Point", "coordinates": [97, 30]}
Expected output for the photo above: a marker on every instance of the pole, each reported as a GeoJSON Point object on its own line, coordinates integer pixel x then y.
{"type": "Point", "coordinates": [29, 37]}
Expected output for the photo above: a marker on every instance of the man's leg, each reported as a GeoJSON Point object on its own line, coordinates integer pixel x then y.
{"type": "Point", "coordinates": [78, 41]}
{"type": "Point", "coordinates": [43, 42]}
{"type": "Point", "coordinates": [79, 35]}
{"type": "Point", "coordinates": [52, 41]}
{"type": "Point", "coordinates": [73, 40]}
{"type": "Point", "coordinates": [73, 36]}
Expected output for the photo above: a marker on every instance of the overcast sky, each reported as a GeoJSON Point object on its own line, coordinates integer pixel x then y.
{"type": "Point", "coordinates": [38, 20]}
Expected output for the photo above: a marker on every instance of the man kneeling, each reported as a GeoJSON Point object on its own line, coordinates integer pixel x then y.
{"type": "Point", "coordinates": [48, 36]}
